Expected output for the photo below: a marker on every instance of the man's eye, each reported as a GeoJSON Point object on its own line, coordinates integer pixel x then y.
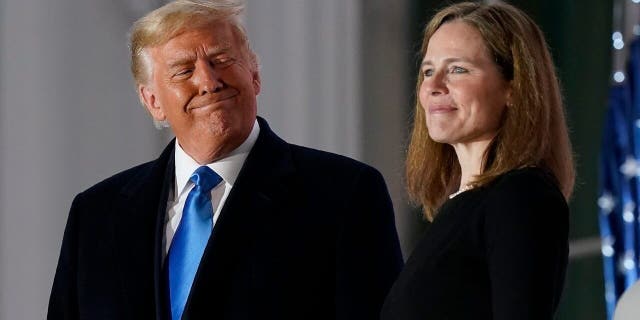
{"type": "Point", "coordinates": [222, 61]}
{"type": "Point", "coordinates": [183, 72]}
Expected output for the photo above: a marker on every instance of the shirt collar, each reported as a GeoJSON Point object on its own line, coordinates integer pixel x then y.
{"type": "Point", "coordinates": [227, 167]}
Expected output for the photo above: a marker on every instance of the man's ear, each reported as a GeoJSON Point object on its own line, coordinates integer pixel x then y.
{"type": "Point", "coordinates": [148, 98]}
{"type": "Point", "coordinates": [256, 82]}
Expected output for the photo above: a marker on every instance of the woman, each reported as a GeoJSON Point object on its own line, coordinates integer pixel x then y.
{"type": "Point", "coordinates": [490, 162]}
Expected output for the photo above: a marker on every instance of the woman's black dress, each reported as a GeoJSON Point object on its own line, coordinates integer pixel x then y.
{"type": "Point", "coordinates": [496, 252]}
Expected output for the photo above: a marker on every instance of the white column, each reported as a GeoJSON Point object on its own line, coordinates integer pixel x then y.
{"type": "Point", "coordinates": [310, 66]}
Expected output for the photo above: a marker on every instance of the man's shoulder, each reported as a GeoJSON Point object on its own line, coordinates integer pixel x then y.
{"type": "Point", "coordinates": [151, 172]}
{"type": "Point", "coordinates": [324, 161]}
{"type": "Point", "coordinates": [120, 180]}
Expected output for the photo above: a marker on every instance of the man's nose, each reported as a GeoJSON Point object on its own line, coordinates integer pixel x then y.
{"type": "Point", "coordinates": [207, 78]}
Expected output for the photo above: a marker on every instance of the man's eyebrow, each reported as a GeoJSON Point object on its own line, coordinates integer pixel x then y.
{"type": "Point", "coordinates": [181, 60]}
{"type": "Point", "coordinates": [215, 50]}
{"type": "Point", "coordinates": [187, 58]}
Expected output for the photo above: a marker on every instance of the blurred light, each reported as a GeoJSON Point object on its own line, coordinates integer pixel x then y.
{"type": "Point", "coordinates": [628, 216]}
{"type": "Point", "coordinates": [607, 251]}
{"type": "Point", "coordinates": [629, 167]}
{"type": "Point", "coordinates": [606, 202]}
{"type": "Point", "coordinates": [629, 207]}
{"type": "Point", "coordinates": [635, 1]}
{"type": "Point", "coordinates": [607, 246]}
{"type": "Point", "coordinates": [636, 29]}
{"type": "Point", "coordinates": [616, 36]}
{"type": "Point", "coordinates": [610, 291]}
{"type": "Point", "coordinates": [629, 264]}
{"type": "Point", "coordinates": [619, 76]}
{"type": "Point", "coordinates": [618, 41]}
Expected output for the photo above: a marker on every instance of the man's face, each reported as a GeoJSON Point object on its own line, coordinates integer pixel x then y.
{"type": "Point", "coordinates": [204, 83]}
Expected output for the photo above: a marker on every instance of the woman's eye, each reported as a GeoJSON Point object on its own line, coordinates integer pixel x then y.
{"type": "Point", "coordinates": [458, 70]}
{"type": "Point", "coordinates": [427, 72]}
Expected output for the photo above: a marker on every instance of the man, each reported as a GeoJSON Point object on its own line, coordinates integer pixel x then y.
{"type": "Point", "coordinates": [230, 222]}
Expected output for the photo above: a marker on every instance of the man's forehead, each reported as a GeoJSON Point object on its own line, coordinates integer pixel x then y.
{"type": "Point", "coordinates": [216, 34]}
{"type": "Point", "coordinates": [199, 48]}
{"type": "Point", "coordinates": [195, 41]}
{"type": "Point", "coordinates": [177, 57]}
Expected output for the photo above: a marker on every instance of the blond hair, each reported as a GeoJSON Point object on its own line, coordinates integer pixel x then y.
{"type": "Point", "coordinates": [533, 131]}
{"type": "Point", "coordinates": [166, 22]}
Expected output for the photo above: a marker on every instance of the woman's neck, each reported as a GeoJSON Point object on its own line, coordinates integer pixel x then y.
{"type": "Point", "coordinates": [470, 157]}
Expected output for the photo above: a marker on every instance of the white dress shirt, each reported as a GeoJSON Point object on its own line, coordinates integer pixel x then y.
{"type": "Point", "coordinates": [227, 168]}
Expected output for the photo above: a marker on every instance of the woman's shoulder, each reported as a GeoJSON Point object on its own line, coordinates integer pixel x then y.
{"type": "Point", "coordinates": [525, 205]}
{"type": "Point", "coordinates": [529, 191]}
{"type": "Point", "coordinates": [528, 182]}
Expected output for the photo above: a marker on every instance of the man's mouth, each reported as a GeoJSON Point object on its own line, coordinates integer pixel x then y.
{"type": "Point", "coordinates": [213, 99]}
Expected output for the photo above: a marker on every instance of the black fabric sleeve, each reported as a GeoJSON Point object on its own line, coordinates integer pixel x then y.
{"type": "Point", "coordinates": [526, 233]}
{"type": "Point", "coordinates": [63, 300]}
{"type": "Point", "coordinates": [368, 251]}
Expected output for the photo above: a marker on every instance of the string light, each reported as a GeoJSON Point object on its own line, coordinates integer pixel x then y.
{"type": "Point", "coordinates": [618, 42]}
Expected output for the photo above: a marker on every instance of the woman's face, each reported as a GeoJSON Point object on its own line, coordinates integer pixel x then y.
{"type": "Point", "coordinates": [463, 92]}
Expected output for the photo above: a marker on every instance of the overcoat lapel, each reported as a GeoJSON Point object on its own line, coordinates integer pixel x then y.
{"type": "Point", "coordinates": [139, 231]}
{"type": "Point", "coordinates": [261, 187]}
{"type": "Point", "coordinates": [139, 215]}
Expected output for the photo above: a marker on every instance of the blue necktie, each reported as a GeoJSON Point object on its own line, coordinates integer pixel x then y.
{"type": "Point", "coordinates": [191, 238]}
